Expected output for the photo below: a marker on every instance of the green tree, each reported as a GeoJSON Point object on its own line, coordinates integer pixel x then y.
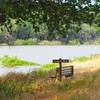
{"type": "Point", "coordinates": [97, 20]}
{"type": "Point", "coordinates": [57, 15]}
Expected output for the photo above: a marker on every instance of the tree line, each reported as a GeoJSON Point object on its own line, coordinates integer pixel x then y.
{"type": "Point", "coordinates": [48, 19]}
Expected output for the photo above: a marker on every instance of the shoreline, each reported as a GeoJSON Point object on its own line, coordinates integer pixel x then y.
{"type": "Point", "coordinates": [17, 69]}
{"type": "Point", "coordinates": [90, 65]}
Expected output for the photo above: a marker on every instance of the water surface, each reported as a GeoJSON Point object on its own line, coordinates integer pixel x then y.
{"type": "Point", "coordinates": [45, 54]}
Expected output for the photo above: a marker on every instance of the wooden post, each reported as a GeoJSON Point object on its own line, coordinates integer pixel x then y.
{"type": "Point", "coordinates": [60, 66]}
{"type": "Point", "coordinates": [72, 71]}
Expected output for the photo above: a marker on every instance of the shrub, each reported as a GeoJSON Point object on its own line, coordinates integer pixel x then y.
{"type": "Point", "coordinates": [19, 42]}
{"type": "Point", "coordinates": [73, 42]}
{"type": "Point", "coordinates": [26, 42]}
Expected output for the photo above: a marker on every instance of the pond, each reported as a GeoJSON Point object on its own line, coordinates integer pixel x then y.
{"type": "Point", "coordinates": [45, 54]}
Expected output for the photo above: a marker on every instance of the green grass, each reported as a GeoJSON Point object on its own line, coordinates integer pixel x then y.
{"type": "Point", "coordinates": [48, 66]}
{"type": "Point", "coordinates": [93, 42]}
{"type": "Point", "coordinates": [26, 42]}
{"type": "Point", "coordinates": [81, 59]}
{"type": "Point", "coordinates": [36, 42]}
{"type": "Point", "coordinates": [11, 61]}
{"type": "Point", "coordinates": [46, 42]}
{"type": "Point", "coordinates": [85, 58]}
{"type": "Point", "coordinates": [73, 42]}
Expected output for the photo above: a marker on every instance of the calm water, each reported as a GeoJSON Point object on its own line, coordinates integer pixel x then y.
{"type": "Point", "coordinates": [22, 69]}
{"type": "Point", "coordinates": [45, 54]}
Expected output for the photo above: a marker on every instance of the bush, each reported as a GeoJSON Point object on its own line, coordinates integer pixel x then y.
{"type": "Point", "coordinates": [14, 61]}
{"type": "Point", "coordinates": [19, 42]}
{"type": "Point", "coordinates": [26, 42]}
{"type": "Point", "coordinates": [73, 42]}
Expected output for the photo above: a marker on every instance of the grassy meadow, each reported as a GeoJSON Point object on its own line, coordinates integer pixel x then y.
{"type": "Point", "coordinates": [38, 85]}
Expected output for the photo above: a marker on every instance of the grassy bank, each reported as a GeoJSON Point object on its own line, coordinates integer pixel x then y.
{"type": "Point", "coordinates": [81, 59]}
{"type": "Point", "coordinates": [53, 42]}
{"type": "Point", "coordinates": [85, 58]}
{"type": "Point", "coordinates": [36, 42]}
{"type": "Point", "coordinates": [38, 86]}
{"type": "Point", "coordinates": [26, 42]}
{"type": "Point", "coordinates": [11, 61]}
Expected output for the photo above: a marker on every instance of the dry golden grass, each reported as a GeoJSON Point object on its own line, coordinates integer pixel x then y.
{"type": "Point", "coordinates": [84, 86]}
{"type": "Point", "coordinates": [87, 66]}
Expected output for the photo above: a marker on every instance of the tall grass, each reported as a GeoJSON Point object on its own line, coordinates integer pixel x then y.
{"type": "Point", "coordinates": [85, 58]}
{"type": "Point", "coordinates": [17, 86]}
{"type": "Point", "coordinates": [39, 86]}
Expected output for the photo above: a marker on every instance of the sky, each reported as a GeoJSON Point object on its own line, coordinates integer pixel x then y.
{"type": "Point", "coordinates": [91, 0]}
